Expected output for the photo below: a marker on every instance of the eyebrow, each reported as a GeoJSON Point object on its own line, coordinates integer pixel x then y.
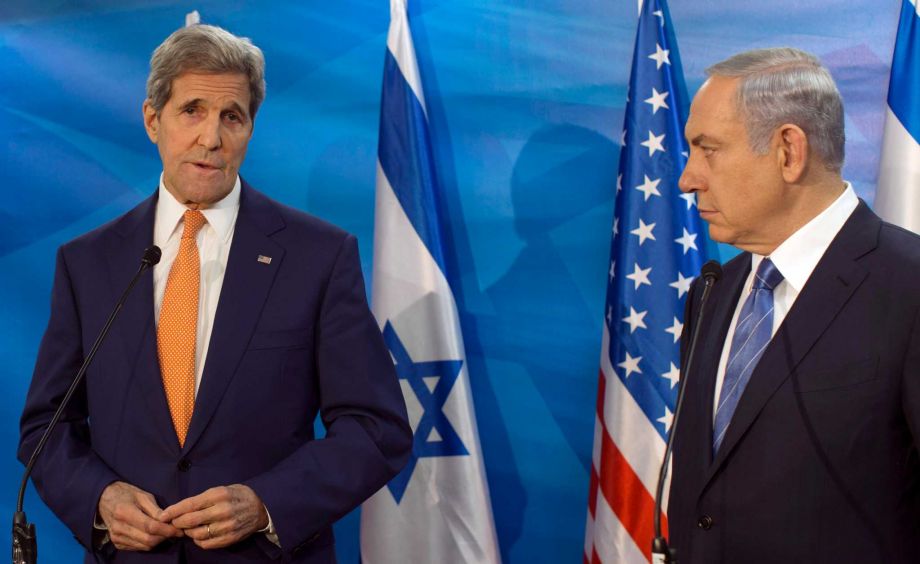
{"type": "Point", "coordinates": [700, 139]}
{"type": "Point", "coordinates": [235, 107]}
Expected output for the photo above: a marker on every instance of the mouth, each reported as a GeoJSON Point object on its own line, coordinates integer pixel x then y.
{"type": "Point", "coordinates": [704, 212]}
{"type": "Point", "coordinates": [204, 166]}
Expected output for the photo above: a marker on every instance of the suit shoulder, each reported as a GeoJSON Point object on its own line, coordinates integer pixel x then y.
{"type": "Point", "coordinates": [297, 230]}
{"type": "Point", "coordinates": [136, 218]}
{"type": "Point", "coordinates": [309, 224]}
{"type": "Point", "coordinates": [900, 246]}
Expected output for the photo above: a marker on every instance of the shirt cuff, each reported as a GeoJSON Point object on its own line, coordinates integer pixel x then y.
{"type": "Point", "coordinates": [101, 538]}
{"type": "Point", "coordinates": [269, 530]}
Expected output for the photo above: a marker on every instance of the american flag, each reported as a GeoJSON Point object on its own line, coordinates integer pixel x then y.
{"type": "Point", "coordinates": [899, 169]}
{"type": "Point", "coordinates": [658, 247]}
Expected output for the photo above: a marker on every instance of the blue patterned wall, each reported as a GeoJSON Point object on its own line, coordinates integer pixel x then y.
{"type": "Point", "coordinates": [526, 101]}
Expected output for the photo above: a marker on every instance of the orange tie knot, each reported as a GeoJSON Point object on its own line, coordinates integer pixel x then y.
{"type": "Point", "coordinates": [194, 220]}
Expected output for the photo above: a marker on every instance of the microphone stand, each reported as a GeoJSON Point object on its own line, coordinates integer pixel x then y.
{"type": "Point", "coordinates": [25, 543]}
{"type": "Point", "coordinates": [661, 552]}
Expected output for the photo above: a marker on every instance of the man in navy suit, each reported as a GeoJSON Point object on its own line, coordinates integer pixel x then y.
{"type": "Point", "coordinates": [267, 323]}
{"type": "Point", "coordinates": [798, 441]}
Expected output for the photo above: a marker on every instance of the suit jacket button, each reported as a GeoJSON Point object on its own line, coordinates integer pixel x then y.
{"type": "Point", "coordinates": [184, 465]}
{"type": "Point", "coordinates": [705, 522]}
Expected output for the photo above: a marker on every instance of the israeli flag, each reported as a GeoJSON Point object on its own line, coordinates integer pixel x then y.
{"type": "Point", "coordinates": [437, 509]}
{"type": "Point", "coordinates": [898, 196]}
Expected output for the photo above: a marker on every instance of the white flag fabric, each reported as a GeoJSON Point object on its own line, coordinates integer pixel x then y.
{"type": "Point", "coordinates": [897, 198]}
{"type": "Point", "coordinates": [437, 510]}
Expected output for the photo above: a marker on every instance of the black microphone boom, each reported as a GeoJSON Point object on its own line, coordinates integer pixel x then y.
{"type": "Point", "coordinates": [25, 545]}
{"type": "Point", "coordinates": [661, 553]}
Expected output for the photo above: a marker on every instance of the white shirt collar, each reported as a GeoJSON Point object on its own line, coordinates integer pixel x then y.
{"type": "Point", "coordinates": [797, 256]}
{"type": "Point", "coordinates": [221, 215]}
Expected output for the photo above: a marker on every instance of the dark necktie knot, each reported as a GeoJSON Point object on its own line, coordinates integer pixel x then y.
{"type": "Point", "coordinates": [767, 275]}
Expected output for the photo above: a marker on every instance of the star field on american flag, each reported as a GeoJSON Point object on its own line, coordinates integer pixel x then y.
{"type": "Point", "coordinates": [659, 241]}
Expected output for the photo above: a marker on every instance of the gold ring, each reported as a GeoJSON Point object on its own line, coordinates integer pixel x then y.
{"type": "Point", "coordinates": [210, 536]}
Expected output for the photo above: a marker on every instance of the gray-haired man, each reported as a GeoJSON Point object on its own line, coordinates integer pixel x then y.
{"type": "Point", "coordinates": [802, 409]}
{"type": "Point", "coordinates": [191, 439]}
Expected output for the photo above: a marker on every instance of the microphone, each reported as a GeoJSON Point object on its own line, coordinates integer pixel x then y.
{"type": "Point", "coordinates": [25, 544]}
{"type": "Point", "coordinates": [661, 552]}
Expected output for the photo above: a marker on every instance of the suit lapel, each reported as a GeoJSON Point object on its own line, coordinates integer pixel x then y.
{"type": "Point", "coordinates": [246, 285]}
{"type": "Point", "coordinates": [718, 316]}
{"type": "Point", "coordinates": [830, 286]}
{"type": "Point", "coordinates": [135, 326]}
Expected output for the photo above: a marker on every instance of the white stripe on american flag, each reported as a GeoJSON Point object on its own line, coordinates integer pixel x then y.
{"type": "Point", "coordinates": [611, 539]}
{"type": "Point", "coordinates": [624, 440]}
{"type": "Point", "coordinates": [628, 426]}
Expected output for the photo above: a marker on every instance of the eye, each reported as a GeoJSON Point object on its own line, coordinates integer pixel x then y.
{"type": "Point", "coordinates": [708, 151]}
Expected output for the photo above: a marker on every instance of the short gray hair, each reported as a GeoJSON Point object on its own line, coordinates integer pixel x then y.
{"type": "Point", "coordinates": [787, 85]}
{"type": "Point", "coordinates": [205, 49]}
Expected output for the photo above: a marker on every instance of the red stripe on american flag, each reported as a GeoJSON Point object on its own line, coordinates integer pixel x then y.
{"type": "Point", "coordinates": [624, 491]}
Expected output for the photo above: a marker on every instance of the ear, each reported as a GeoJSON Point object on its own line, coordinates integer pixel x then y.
{"type": "Point", "coordinates": [792, 152]}
{"type": "Point", "coordinates": [151, 121]}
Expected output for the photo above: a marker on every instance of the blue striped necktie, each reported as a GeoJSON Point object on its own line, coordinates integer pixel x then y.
{"type": "Point", "coordinates": [752, 335]}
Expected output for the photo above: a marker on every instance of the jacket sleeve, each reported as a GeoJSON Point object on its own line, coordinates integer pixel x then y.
{"type": "Point", "coordinates": [68, 475]}
{"type": "Point", "coordinates": [368, 437]}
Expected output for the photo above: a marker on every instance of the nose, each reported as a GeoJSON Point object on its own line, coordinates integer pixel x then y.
{"type": "Point", "coordinates": [209, 134]}
{"type": "Point", "coordinates": [691, 179]}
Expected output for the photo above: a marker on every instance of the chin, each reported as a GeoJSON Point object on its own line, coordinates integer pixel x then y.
{"type": "Point", "coordinates": [721, 235]}
{"type": "Point", "coordinates": [208, 194]}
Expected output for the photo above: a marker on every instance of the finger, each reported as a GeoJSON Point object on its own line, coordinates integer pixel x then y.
{"type": "Point", "coordinates": [213, 535]}
{"type": "Point", "coordinates": [203, 517]}
{"type": "Point", "coordinates": [216, 541]}
{"type": "Point", "coordinates": [151, 524]}
{"type": "Point", "coordinates": [137, 539]}
{"type": "Point", "coordinates": [194, 503]}
{"type": "Point", "coordinates": [148, 504]}
{"type": "Point", "coordinates": [200, 533]}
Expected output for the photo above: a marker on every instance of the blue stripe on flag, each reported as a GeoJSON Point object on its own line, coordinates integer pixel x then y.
{"type": "Point", "coordinates": [904, 89]}
{"type": "Point", "coordinates": [405, 156]}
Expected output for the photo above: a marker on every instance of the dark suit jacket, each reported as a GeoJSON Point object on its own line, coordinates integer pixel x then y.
{"type": "Point", "coordinates": [290, 338]}
{"type": "Point", "coordinates": [819, 463]}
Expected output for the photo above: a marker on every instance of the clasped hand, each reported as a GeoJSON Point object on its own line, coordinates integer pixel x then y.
{"type": "Point", "coordinates": [216, 518]}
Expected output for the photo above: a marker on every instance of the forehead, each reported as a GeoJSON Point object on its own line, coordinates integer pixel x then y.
{"type": "Point", "coordinates": [714, 108]}
{"type": "Point", "coordinates": [214, 88]}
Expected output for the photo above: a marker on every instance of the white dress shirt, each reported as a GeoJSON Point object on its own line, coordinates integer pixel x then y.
{"type": "Point", "coordinates": [213, 240]}
{"type": "Point", "coordinates": [795, 258]}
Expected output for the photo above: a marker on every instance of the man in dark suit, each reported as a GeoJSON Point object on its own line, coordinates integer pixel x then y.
{"type": "Point", "coordinates": [798, 441]}
{"type": "Point", "coordinates": [191, 438]}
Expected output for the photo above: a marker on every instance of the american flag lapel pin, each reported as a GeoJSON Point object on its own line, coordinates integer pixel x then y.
{"type": "Point", "coordinates": [264, 259]}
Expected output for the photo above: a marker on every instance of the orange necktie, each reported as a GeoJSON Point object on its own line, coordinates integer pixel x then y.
{"type": "Point", "coordinates": [178, 327]}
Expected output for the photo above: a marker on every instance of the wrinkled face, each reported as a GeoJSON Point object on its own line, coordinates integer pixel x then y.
{"type": "Point", "coordinates": [202, 133]}
{"type": "Point", "coordinates": [740, 194]}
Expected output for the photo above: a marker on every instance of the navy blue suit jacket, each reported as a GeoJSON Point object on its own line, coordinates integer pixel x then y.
{"type": "Point", "coordinates": [819, 463]}
{"type": "Point", "coordinates": [291, 338]}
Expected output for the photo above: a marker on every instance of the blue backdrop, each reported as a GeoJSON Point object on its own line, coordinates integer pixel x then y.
{"type": "Point", "coordinates": [526, 103]}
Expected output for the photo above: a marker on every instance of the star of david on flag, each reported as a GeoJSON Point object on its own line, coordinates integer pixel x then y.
{"type": "Point", "coordinates": [658, 246]}
{"type": "Point", "coordinates": [431, 382]}
{"type": "Point", "coordinates": [437, 509]}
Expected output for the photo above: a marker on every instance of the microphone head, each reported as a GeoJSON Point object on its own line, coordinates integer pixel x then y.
{"type": "Point", "coordinates": [152, 255]}
{"type": "Point", "coordinates": [711, 271]}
